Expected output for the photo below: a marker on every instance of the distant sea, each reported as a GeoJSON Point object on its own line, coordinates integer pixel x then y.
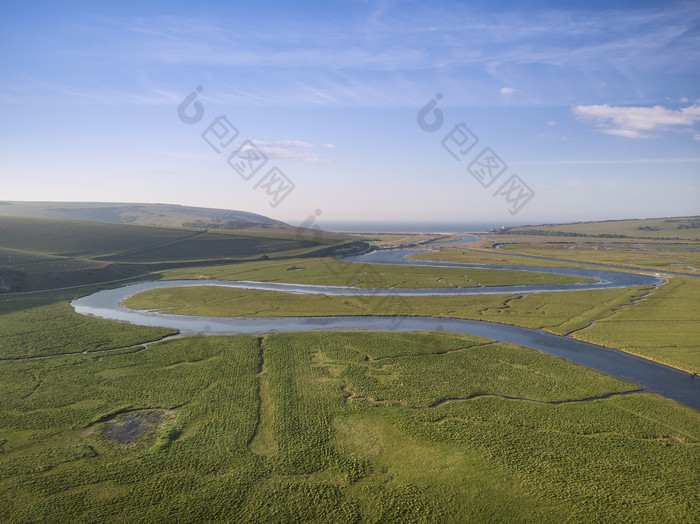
{"type": "Point", "coordinates": [413, 227]}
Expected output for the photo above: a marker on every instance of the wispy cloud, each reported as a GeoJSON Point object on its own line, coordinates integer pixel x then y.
{"type": "Point", "coordinates": [293, 143]}
{"type": "Point", "coordinates": [416, 37]}
{"type": "Point", "coordinates": [637, 122]}
{"type": "Point", "coordinates": [183, 155]}
{"type": "Point", "coordinates": [616, 161]}
{"type": "Point", "coordinates": [576, 183]}
{"type": "Point", "coordinates": [294, 150]}
{"type": "Point", "coordinates": [36, 90]}
{"type": "Point", "coordinates": [385, 56]}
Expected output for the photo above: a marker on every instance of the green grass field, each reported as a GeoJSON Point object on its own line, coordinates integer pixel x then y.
{"type": "Point", "coordinates": [538, 310]}
{"type": "Point", "coordinates": [663, 244]}
{"type": "Point", "coordinates": [484, 257]}
{"type": "Point", "coordinates": [167, 215]}
{"type": "Point", "coordinates": [328, 271]}
{"type": "Point", "coordinates": [663, 326]}
{"type": "Point", "coordinates": [654, 256]}
{"type": "Point", "coordinates": [40, 327]}
{"type": "Point", "coordinates": [320, 428]}
{"type": "Point", "coordinates": [687, 228]}
{"type": "Point", "coordinates": [129, 243]}
{"type": "Point", "coordinates": [68, 238]}
{"type": "Point", "coordinates": [53, 254]}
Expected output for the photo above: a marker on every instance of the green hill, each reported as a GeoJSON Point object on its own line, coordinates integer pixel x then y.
{"type": "Point", "coordinates": [670, 228]}
{"type": "Point", "coordinates": [38, 254]}
{"type": "Point", "coordinates": [142, 214]}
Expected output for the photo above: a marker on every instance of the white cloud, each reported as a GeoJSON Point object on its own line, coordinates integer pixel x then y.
{"type": "Point", "coordinates": [551, 123]}
{"type": "Point", "coordinates": [636, 122]}
{"type": "Point", "coordinates": [292, 143]}
{"type": "Point", "coordinates": [183, 154]}
{"type": "Point", "coordinates": [290, 150]}
{"type": "Point", "coordinates": [306, 61]}
{"type": "Point", "coordinates": [696, 136]}
{"type": "Point", "coordinates": [627, 133]}
{"type": "Point", "coordinates": [599, 162]}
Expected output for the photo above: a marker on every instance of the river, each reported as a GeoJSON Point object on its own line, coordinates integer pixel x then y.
{"type": "Point", "coordinates": [650, 376]}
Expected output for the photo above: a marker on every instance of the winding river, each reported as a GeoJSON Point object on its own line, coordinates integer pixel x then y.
{"type": "Point", "coordinates": [650, 376]}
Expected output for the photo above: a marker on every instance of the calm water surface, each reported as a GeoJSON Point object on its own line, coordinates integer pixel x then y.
{"type": "Point", "coordinates": [652, 377]}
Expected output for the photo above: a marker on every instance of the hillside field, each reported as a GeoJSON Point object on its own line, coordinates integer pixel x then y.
{"type": "Point", "coordinates": [53, 254]}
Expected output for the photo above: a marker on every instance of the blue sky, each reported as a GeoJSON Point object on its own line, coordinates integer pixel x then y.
{"type": "Point", "coordinates": [594, 106]}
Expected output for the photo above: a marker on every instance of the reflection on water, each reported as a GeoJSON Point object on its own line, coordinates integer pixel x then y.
{"type": "Point", "coordinates": [652, 377]}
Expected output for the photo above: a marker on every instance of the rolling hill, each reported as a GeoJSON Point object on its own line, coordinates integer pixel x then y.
{"type": "Point", "coordinates": [666, 228]}
{"type": "Point", "coordinates": [140, 214]}
{"type": "Point", "coordinates": [41, 254]}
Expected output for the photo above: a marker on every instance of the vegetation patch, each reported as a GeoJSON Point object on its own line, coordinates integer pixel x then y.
{"type": "Point", "coordinates": [662, 326]}
{"type": "Point", "coordinates": [36, 327]}
{"type": "Point", "coordinates": [39, 254]}
{"type": "Point", "coordinates": [679, 227]}
{"type": "Point", "coordinates": [129, 427]}
{"type": "Point", "coordinates": [334, 459]}
{"type": "Point", "coordinates": [328, 271]}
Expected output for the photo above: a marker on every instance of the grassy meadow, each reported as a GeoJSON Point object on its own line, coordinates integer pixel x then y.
{"type": "Point", "coordinates": [662, 326]}
{"type": "Point", "coordinates": [42, 327]}
{"type": "Point", "coordinates": [328, 271]}
{"type": "Point", "coordinates": [484, 257]}
{"type": "Point", "coordinates": [553, 311]}
{"type": "Point", "coordinates": [652, 256]}
{"type": "Point", "coordinates": [324, 428]}
{"type": "Point", "coordinates": [659, 244]}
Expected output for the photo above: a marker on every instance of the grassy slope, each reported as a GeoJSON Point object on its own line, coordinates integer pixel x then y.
{"type": "Point", "coordinates": [680, 227]}
{"type": "Point", "coordinates": [331, 457]}
{"type": "Point", "coordinates": [142, 214]}
{"type": "Point", "coordinates": [64, 237]}
{"type": "Point", "coordinates": [142, 243]}
{"type": "Point", "coordinates": [55, 253]}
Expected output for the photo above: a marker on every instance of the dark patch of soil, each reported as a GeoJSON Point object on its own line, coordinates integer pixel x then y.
{"type": "Point", "coordinates": [130, 428]}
